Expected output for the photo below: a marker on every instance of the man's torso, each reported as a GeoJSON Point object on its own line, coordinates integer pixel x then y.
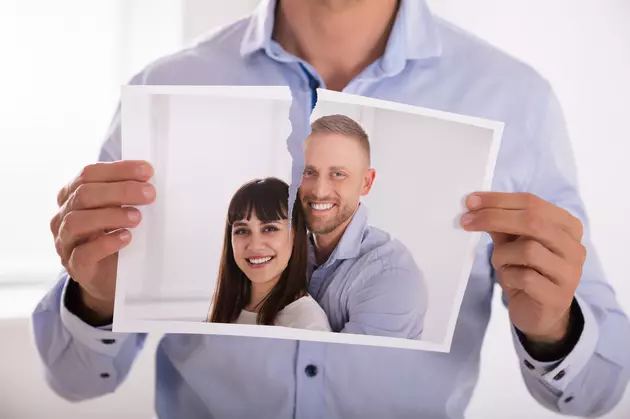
{"type": "Point", "coordinates": [227, 376]}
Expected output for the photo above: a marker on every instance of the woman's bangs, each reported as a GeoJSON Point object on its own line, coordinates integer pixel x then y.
{"type": "Point", "coordinates": [268, 198]}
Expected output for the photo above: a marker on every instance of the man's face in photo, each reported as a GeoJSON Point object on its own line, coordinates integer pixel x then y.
{"type": "Point", "coordinates": [336, 175]}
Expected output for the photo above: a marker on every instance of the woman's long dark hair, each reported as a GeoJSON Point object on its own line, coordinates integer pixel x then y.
{"type": "Point", "coordinates": [269, 199]}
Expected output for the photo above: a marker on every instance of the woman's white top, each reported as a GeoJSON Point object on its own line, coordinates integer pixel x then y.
{"type": "Point", "coordinates": [303, 313]}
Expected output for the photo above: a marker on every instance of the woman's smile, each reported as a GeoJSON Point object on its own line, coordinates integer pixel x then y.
{"type": "Point", "coordinates": [258, 262]}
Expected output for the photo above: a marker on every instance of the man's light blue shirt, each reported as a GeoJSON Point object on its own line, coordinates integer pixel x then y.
{"type": "Point", "coordinates": [429, 63]}
{"type": "Point", "coordinates": [370, 284]}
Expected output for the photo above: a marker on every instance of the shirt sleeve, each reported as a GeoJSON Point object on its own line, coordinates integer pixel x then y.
{"type": "Point", "coordinates": [592, 378]}
{"type": "Point", "coordinates": [392, 302]}
{"type": "Point", "coordinates": [81, 362]}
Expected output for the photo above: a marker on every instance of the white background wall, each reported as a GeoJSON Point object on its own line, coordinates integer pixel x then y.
{"type": "Point", "coordinates": [582, 46]}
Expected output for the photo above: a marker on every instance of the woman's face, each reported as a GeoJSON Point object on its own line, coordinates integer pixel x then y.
{"type": "Point", "coordinates": [262, 250]}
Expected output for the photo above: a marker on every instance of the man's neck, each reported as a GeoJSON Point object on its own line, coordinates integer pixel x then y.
{"type": "Point", "coordinates": [339, 38]}
{"type": "Point", "coordinates": [325, 244]}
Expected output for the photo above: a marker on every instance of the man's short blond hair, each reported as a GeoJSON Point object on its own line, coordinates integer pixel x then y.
{"type": "Point", "coordinates": [342, 125]}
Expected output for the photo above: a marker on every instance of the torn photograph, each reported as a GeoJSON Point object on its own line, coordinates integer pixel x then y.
{"type": "Point", "coordinates": [362, 255]}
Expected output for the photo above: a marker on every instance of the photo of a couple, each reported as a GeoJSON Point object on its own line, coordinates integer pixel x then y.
{"type": "Point", "coordinates": [305, 227]}
{"type": "Point", "coordinates": [326, 268]}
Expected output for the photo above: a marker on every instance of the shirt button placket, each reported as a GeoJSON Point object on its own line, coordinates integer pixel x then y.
{"type": "Point", "coordinates": [309, 383]}
{"type": "Point", "coordinates": [316, 282]}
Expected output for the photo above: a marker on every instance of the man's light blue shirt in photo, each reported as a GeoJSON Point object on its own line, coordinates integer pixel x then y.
{"type": "Point", "coordinates": [429, 63]}
{"type": "Point", "coordinates": [370, 284]}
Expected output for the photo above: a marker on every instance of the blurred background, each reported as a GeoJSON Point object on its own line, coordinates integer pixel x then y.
{"type": "Point", "coordinates": [62, 65]}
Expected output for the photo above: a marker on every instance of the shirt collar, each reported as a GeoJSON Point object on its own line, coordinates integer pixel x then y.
{"type": "Point", "coordinates": [350, 244]}
{"type": "Point", "coordinates": [258, 33]}
{"type": "Point", "coordinates": [414, 35]}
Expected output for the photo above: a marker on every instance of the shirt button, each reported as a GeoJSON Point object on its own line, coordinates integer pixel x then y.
{"type": "Point", "coordinates": [311, 370]}
{"type": "Point", "coordinates": [108, 341]}
{"type": "Point", "coordinates": [528, 365]}
{"type": "Point", "coordinates": [559, 375]}
{"type": "Point", "coordinates": [568, 399]}
{"type": "Point", "coordinates": [104, 375]}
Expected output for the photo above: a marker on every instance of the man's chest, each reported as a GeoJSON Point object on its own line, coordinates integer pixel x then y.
{"type": "Point", "coordinates": [332, 287]}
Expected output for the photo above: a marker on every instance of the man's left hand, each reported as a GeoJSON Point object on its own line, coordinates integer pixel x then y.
{"type": "Point", "coordinates": [538, 257]}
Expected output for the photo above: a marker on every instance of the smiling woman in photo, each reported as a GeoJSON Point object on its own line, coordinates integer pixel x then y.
{"type": "Point", "coordinates": [263, 269]}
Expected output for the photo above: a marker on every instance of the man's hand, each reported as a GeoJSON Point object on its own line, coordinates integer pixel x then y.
{"type": "Point", "coordinates": [538, 257]}
{"type": "Point", "coordinates": [91, 226]}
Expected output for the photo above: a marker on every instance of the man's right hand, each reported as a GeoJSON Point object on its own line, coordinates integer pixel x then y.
{"type": "Point", "coordinates": [91, 226]}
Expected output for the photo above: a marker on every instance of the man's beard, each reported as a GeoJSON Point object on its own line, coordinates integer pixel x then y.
{"type": "Point", "coordinates": [317, 226]}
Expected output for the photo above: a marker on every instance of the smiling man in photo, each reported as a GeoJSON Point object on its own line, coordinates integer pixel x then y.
{"type": "Point", "coordinates": [367, 282]}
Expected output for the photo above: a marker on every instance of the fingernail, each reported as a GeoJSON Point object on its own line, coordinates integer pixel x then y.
{"type": "Point", "coordinates": [467, 218]}
{"type": "Point", "coordinates": [148, 192]}
{"type": "Point", "coordinates": [474, 201]}
{"type": "Point", "coordinates": [144, 170]}
{"type": "Point", "coordinates": [125, 235]}
{"type": "Point", "coordinates": [133, 215]}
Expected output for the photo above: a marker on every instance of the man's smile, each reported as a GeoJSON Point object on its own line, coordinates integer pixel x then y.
{"type": "Point", "coordinates": [321, 206]}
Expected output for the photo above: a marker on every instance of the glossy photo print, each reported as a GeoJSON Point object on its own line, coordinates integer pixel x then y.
{"type": "Point", "coordinates": [329, 242]}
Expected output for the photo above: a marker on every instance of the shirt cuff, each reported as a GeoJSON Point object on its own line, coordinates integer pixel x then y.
{"type": "Point", "coordinates": [558, 374]}
{"type": "Point", "coordinates": [101, 340]}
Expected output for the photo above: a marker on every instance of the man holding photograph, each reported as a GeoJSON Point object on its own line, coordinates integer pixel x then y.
{"type": "Point", "coordinates": [367, 282]}
{"type": "Point", "coordinates": [569, 333]}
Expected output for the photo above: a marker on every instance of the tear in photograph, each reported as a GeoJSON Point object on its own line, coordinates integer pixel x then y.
{"type": "Point", "coordinates": [367, 250]}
